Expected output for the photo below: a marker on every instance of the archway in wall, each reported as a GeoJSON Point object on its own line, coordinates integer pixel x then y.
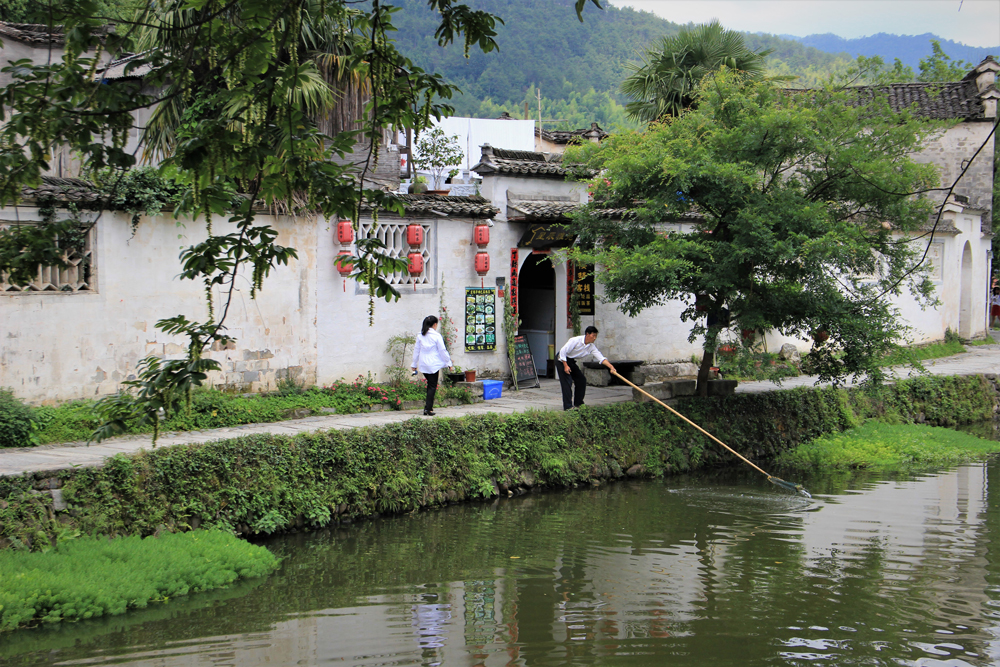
{"type": "Point", "coordinates": [965, 314]}
{"type": "Point", "coordinates": [536, 306]}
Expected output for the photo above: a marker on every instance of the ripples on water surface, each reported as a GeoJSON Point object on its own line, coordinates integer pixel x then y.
{"type": "Point", "coordinates": [689, 571]}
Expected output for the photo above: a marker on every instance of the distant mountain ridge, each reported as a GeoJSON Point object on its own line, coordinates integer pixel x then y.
{"type": "Point", "coordinates": [908, 48]}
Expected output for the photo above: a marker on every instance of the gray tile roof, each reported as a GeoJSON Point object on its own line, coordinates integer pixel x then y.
{"type": "Point", "coordinates": [572, 136]}
{"type": "Point", "coordinates": [534, 211]}
{"type": "Point", "coordinates": [523, 163]}
{"type": "Point", "coordinates": [472, 206]}
{"type": "Point", "coordinates": [39, 34]}
{"type": "Point", "coordinates": [951, 100]}
{"type": "Point", "coordinates": [116, 69]}
{"type": "Point", "coordinates": [63, 189]}
{"type": "Point", "coordinates": [36, 34]}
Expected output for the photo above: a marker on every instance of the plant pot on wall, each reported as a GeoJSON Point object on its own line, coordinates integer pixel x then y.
{"type": "Point", "coordinates": [455, 377]}
{"type": "Point", "coordinates": [470, 376]}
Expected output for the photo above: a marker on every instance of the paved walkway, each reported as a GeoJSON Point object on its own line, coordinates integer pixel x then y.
{"type": "Point", "coordinates": [983, 359]}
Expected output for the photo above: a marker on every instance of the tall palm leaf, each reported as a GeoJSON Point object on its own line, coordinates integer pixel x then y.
{"type": "Point", "coordinates": [663, 83]}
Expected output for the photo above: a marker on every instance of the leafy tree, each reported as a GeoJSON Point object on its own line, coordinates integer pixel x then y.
{"type": "Point", "coordinates": [801, 197]}
{"type": "Point", "coordinates": [238, 86]}
{"type": "Point", "coordinates": [940, 67]}
{"type": "Point", "coordinates": [436, 152]}
{"type": "Point", "coordinates": [664, 84]}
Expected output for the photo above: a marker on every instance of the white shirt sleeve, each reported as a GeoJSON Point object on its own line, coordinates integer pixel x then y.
{"type": "Point", "coordinates": [566, 349]}
{"type": "Point", "coordinates": [416, 350]}
{"type": "Point", "coordinates": [597, 353]}
{"type": "Point", "coordinates": [443, 351]}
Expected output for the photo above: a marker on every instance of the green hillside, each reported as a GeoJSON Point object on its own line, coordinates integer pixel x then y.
{"type": "Point", "coordinates": [578, 66]}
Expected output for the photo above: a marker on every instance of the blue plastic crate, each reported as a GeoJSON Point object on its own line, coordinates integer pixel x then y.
{"type": "Point", "coordinates": [492, 389]}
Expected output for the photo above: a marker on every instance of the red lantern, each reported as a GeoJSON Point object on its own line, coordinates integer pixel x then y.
{"type": "Point", "coordinates": [481, 235]}
{"type": "Point", "coordinates": [482, 263]}
{"type": "Point", "coordinates": [414, 235]}
{"type": "Point", "coordinates": [344, 267]}
{"type": "Point", "coordinates": [345, 232]}
{"type": "Point", "coordinates": [416, 263]}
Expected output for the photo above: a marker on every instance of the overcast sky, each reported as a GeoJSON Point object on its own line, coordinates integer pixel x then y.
{"type": "Point", "coordinates": [977, 23]}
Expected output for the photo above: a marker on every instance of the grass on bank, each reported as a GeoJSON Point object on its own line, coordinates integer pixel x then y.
{"type": "Point", "coordinates": [91, 577]}
{"type": "Point", "coordinates": [22, 426]}
{"type": "Point", "coordinates": [879, 446]}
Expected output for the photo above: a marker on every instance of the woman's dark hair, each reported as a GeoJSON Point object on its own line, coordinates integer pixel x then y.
{"type": "Point", "coordinates": [429, 321]}
{"type": "Point", "coordinates": [590, 329]}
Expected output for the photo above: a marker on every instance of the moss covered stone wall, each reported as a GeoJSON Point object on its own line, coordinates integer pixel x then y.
{"type": "Point", "coordinates": [266, 483]}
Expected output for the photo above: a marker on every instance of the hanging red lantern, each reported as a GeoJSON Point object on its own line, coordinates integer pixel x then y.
{"type": "Point", "coordinates": [482, 263]}
{"type": "Point", "coordinates": [481, 235]}
{"type": "Point", "coordinates": [345, 232]}
{"type": "Point", "coordinates": [415, 265]}
{"type": "Point", "coordinates": [414, 235]}
{"type": "Point", "coordinates": [343, 267]}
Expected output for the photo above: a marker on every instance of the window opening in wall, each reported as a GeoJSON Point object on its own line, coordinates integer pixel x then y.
{"type": "Point", "coordinates": [77, 277]}
{"type": "Point", "coordinates": [393, 235]}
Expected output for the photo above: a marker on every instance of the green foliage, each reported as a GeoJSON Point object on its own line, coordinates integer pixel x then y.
{"type": "Point", "coordinates": [511, 323]}
{"type": "Point", "coordinates": [890, 446]}
{"type": "Point", "coordinates": [91, 577]}
{"type": "Point", "coordinates": [940, 67]}
{"type": "Point", "coordinates": [265, 483]}
{"type": "Point", "coordinates": [666, 81]}
{"type": "Point", "coordinates": [397, 346]}
{"type": "Point", "coordinates": [210, 408]}
{"type": "Point", "coordinates": [16, 423]}
{"type": "Point", "coordinates": [799, 197]}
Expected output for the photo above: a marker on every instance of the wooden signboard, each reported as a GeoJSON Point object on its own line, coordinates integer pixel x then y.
{"type": "Point", "coordinates": [524, 364]}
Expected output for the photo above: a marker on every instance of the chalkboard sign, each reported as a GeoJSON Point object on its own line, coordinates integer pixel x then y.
{"type": "Point", "coordinates": [524, 363]}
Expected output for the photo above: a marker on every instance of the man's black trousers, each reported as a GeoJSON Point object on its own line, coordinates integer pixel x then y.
{"type": "Point", "coordinates": [567, 380]}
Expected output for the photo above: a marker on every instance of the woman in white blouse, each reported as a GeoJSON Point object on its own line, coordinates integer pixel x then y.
{"type": "Point", "coordinates": [430, 356]}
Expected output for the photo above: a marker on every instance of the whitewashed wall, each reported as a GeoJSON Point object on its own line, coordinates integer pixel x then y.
{"type": "Point", "coordinates": [60, 346]}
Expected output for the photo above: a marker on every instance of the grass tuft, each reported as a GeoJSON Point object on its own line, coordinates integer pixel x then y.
{"type": "Point", "coordinates": [880, 446]}
{"type": "Point", "coordinates": [91, 577]}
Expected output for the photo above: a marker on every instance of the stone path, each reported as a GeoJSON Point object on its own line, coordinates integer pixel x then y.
{"type": "Point", "coordinates": [983, 359]}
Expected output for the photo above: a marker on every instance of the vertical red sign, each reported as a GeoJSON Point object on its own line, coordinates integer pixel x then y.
{"type": "Point", "coordinates": [513, 279]}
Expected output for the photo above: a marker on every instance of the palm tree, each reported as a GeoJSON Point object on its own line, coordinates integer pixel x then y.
{"type": "Point", "coordinates": [665, 81]}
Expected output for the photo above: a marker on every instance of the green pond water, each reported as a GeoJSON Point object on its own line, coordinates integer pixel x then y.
{"type": "Point", "coordinates": [719, 569]}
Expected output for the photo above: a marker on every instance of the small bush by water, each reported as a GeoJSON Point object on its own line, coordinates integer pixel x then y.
{"type": "Point", "coordinates": [882, 446]}
{"type": "Point", "coordinates": [91, 577]}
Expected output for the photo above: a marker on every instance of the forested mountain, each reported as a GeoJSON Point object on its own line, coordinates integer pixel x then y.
{"type": "Point", "coordinates": [908, 48]}
{"type": "Point", "coordinates": [578, 66]}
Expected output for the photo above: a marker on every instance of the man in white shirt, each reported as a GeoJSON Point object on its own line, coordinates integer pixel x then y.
{"type": "Point", "coordinates": [570, 374]}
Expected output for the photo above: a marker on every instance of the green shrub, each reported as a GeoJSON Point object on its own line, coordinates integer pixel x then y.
{"type": "Point", "coordinates": [16, 424]}
{"type": "Point", "coordinates": [91, 577]}
{"type": "Point", "coordinates": [889, 446]}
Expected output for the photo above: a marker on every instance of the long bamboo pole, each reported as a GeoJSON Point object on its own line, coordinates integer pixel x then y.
{"type": "Point", "coordinates": [770, 478]}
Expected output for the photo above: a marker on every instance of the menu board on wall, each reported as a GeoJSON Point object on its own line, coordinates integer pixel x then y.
{"type": "Point", "coordinates": [524, 363]}
{"type": "Point", "coordinates": [481, 321]}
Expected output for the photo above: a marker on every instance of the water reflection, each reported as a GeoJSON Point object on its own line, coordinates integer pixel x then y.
{"type": "Point", "coordinates": [713, 570]}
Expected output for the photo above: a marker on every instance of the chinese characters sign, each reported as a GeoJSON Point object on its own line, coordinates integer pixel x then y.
{"type": "Point", "coordinates": [480, 319]}
{"type": "Point", "coordinates": [581, 279]}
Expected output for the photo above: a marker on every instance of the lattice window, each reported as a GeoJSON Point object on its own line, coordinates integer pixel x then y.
{"type": "Point", "coordinates": [78, 277]}
{"type": "Point", "coordinates": [393, 235]}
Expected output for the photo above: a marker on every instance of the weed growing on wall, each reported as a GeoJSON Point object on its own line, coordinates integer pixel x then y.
{"type": "Point", "coordinates": [92, 577]}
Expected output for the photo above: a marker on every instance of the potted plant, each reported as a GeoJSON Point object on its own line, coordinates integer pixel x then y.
{"type": "Point", "coordinates": [418, 186]}
{"type": "Point", "coordinates": [470, 376]}
{"type": "Point", "coordinates": [436, 152]}
{"type": "Point", "coordinates": [455, 375]}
